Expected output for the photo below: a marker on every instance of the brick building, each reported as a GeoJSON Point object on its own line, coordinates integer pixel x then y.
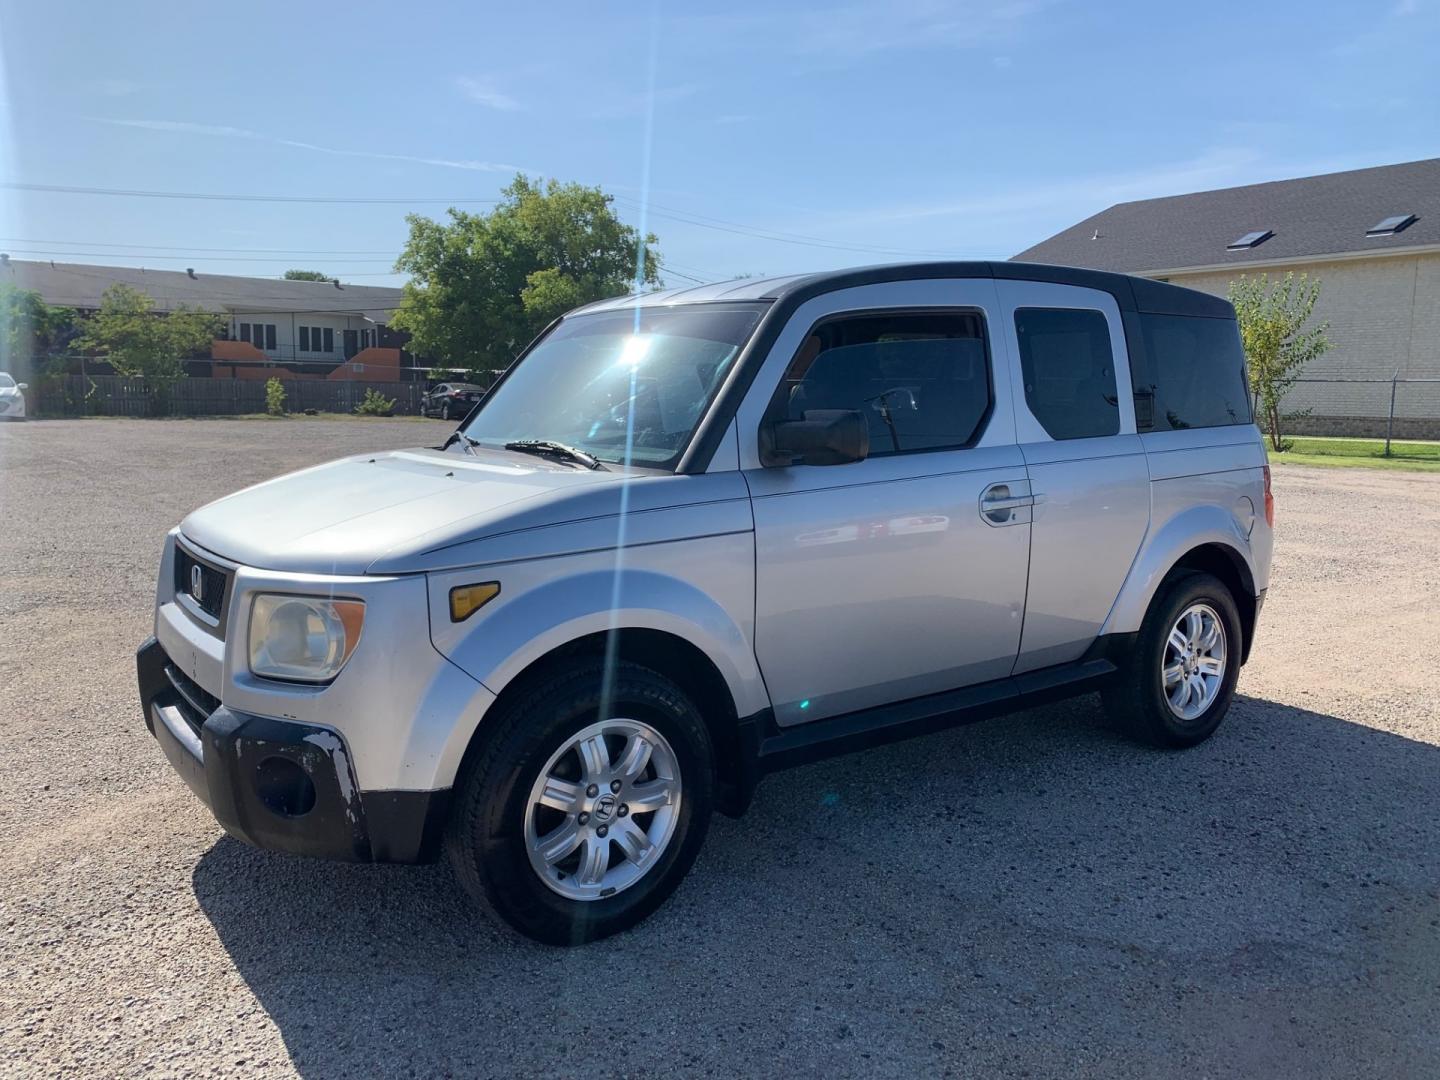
{"type": "Point", "coordinates": [1372, 237]}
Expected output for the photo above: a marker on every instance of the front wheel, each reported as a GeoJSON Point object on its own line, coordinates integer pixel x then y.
{"type": "Point", "coordinates": [1177, 686]}
{"type": "Point", "coordinates": [575, 821]}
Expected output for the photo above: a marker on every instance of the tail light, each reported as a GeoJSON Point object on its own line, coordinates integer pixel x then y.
{"type": "Point", "coordinates": [1269, 500]}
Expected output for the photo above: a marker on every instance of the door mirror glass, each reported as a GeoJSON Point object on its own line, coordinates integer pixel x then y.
{"type": "Point", "coordinates": [822, 437]}
{"type": "Point", "coordinates": [23, 386]}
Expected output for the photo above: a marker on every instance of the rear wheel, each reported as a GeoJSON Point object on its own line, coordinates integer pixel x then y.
{"type": "Point", "coordinates": [445, 411]}
{"type": "Point", "coordinates": [1177, 686]}
{"type": "Point", "coordinates": [575, 821]}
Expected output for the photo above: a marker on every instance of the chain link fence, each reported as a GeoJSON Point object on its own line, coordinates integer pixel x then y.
{"type": "Point", "coordinates": [1395, 408]}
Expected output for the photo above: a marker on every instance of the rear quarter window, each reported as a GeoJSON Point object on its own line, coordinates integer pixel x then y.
{"type": "Point", "coordinates": [1192, 374]}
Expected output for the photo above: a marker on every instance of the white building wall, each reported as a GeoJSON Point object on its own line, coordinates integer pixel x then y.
{"type": "Point", "coordinates": [1384, 317]}
{"type": "Point", "coordinates": [287, 333]}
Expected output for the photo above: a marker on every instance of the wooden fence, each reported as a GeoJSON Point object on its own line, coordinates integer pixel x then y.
{"type": "Point", "coordinates": [114, 395]}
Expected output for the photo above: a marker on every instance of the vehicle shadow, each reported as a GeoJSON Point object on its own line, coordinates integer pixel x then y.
{"type": "Point", "coordinates": [1032, 894]}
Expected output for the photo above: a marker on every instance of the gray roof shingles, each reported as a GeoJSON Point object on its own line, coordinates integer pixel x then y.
{"type": "Point", "coordinates": [79, 285]}
{"type": "Point", "coordinates": [1311, 216]}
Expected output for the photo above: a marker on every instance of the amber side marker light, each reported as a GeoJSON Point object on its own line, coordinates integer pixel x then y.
{"type": "Point", "coordinates": [1269, 505]}
{"type": "Point", "coordinates": [465, 600]}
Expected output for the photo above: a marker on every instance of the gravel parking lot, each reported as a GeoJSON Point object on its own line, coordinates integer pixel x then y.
{"type": "Point", "coordinates": [1033, 896]}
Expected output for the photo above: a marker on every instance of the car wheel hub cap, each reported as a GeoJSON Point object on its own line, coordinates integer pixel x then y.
{"type": "Point", "coordinates": [1192, 667]}
{"type": "Point", "coordinates": [603, 809]}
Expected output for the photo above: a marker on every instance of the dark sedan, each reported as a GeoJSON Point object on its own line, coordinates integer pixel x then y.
{"type": "Point", "coordinates": [451, 400]}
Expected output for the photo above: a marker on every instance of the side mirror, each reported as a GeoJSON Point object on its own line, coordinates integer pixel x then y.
{"type": "Point", "coordinates": [824, 437]}
{"type": "Point", "coordinates": [22, 386]}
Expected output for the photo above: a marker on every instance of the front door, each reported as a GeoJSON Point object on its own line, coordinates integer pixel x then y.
{"type": "Point", "coordinates": [352, 343]}
{"type": "Point", "coordinates": [904, 574]}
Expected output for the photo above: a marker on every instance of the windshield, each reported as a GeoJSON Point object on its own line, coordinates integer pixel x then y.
{"type": "Point", "coordinates": [625, 386]}
{"type": "Point", "coordinates": [6, 382]}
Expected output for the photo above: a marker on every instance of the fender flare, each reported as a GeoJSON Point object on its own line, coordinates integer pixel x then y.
{"type": "Point", "coordinates": [504, 643]}
{"type": "Point", "coordinates": [1196, 527]}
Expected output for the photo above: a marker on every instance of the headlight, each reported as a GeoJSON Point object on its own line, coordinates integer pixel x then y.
{"type": "Point", "coordinates": [307, 639]}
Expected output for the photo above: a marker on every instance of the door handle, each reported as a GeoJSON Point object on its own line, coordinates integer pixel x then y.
{"type": "Point", "coordinates": [998, 505]}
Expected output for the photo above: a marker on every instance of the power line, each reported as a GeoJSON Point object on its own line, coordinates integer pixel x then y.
{"type": "Point", "coordinates": [670, 213]}
{"type": "Point", "coordinates": [184, 258]}
{"type": "Point", "coordinates": [186, 247]}
{"type": "Point", "coordinates": [69, 190]}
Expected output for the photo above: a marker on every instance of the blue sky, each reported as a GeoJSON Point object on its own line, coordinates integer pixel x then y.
{"type": "Point", "coordinates": [770, 137]}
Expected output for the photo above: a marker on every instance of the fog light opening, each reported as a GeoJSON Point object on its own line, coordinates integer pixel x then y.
{"type": "Point", "coordinates": [284, 787]}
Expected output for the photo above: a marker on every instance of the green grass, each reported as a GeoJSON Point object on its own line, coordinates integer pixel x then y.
{"type": "Point", "coordinates": [1360, 453]}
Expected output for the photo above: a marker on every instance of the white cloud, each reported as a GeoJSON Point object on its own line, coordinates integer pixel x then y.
{"type": "Point", "coordinates": [1405, 7]}
{"type": "Point", "coordinates": [184, 127]}
{"type": "Point", "coordinates": [483, 92]}
{"type": "Point", "coordinates": [1018, 209]}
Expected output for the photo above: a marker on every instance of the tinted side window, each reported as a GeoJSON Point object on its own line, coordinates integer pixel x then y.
{"type": "Point", "coordinates": [1195, 374]}
{"type": "Point", "coordinates": [1069, 371]}
{"type": "Point", "coordinates": [920, 379]}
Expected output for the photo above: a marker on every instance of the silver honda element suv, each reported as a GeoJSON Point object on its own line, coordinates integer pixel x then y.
{"type": "Point", "coordinates": [693, 537]}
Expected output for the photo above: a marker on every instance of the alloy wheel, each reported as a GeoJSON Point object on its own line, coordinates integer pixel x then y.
{"type": "Point", "coordinates": [603, 809]}
{"type": "Point", "coordinates": [1193, 664]}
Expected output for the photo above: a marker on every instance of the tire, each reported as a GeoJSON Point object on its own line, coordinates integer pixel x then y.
{"type": "Point", "coordinates": [445, 411]}
{"type": "Point", "coordinates": [497, 829]}
{"type": "Point", "coordinates": [1139, 698]}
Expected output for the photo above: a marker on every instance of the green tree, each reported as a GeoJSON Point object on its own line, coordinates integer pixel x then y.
{"type": "Point", "coordinates": [1278, 343]}
{"type": "Point", "coordinates": [307, 275]}
{"type": "Point", "coordinates": [139, 342]}
{"type": "Point", "coordinates": [482, 285]}
{"type": "Point", "coordinates": [30, 329]}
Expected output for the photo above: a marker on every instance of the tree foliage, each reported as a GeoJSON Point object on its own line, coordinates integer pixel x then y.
{"type": "Point", "coordinates": [483, 285]}
{"type": "Point", "coordinates": [30, 329]}
{"type": "Point", "coordinates": [1278, 342]}
{"type": "Point", "coordinates": [307, 275]}
{"type": "Point", "coordinates": [138, 341]}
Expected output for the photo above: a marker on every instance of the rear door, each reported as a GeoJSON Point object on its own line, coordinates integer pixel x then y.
{"type": "Point", "coordinates": [1075, 425]}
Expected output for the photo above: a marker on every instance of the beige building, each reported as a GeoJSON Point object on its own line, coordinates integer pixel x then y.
{"type": "Point", "coordinates": [1372, 238]}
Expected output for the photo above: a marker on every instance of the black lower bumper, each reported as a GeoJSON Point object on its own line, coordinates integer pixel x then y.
{"type": "Point", "coordinates": [278, 784]}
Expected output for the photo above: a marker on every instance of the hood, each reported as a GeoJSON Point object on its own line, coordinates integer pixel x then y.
{"type": "Point", "coordinates": [342, 517]}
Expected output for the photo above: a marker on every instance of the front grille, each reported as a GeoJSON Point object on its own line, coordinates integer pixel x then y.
{"type": "Point", "coordinates": [212, 584]}
{"type": "Point", "coordinates": [196, 704]}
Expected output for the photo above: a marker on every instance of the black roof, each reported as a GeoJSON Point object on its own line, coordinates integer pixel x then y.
{"type": "Point", "coordinates": [1131, 293]}
{"type": "Point", "coordinates": [1310, 216]}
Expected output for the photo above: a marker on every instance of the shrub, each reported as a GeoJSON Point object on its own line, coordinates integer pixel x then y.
{"type": "Point", "coordinates": [275, 397]}
{"type": "Point", "coordinates": [376, 404]}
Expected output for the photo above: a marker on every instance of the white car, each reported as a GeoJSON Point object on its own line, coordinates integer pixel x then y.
{"type": "Point", "coordinates": [12, 399]}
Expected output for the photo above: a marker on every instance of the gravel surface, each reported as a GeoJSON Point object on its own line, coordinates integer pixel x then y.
{"type": "Point", "coordinates": [1030, 896]}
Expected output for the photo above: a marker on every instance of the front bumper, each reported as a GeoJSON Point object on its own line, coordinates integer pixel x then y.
{"type": "Point", "coordinates": [279, 784]}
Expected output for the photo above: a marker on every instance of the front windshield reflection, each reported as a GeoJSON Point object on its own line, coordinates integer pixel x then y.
{"type": "Point", "coordinates": [624, 386]}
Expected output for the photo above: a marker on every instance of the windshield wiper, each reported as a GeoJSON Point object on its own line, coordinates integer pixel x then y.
{"type": "Point", "coordinates": [548, 448]}
{"type": "Point", "coordinates": [466, 442]}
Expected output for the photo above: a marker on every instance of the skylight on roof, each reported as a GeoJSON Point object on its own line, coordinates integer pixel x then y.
{"type": "Point", "coordinates": [1391, 225]}
{"type": "Point", "coordinates": [1250, 240]}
